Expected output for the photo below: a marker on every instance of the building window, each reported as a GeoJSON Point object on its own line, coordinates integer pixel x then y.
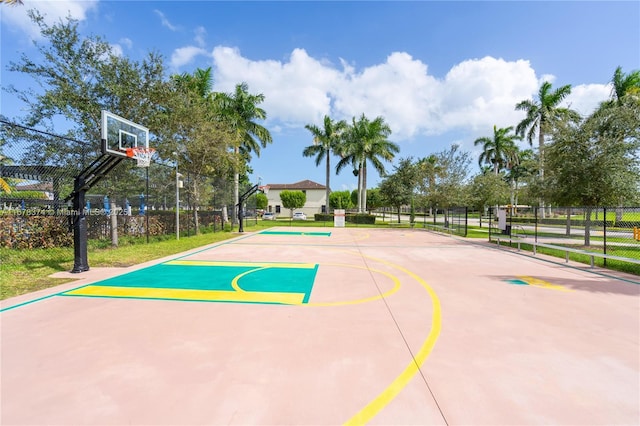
{"type": "Point", "coordinates": [277, 209]}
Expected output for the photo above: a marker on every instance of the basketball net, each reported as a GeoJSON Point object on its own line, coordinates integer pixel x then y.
{"type": "Point", "coordinates": [141, 155]}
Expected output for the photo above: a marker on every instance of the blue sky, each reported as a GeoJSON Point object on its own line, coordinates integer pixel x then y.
{"type": "Point", "coordinates": [438, 72]}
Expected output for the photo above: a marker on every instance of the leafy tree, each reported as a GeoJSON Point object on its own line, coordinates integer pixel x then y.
{"type": "Point", "coordinates": [355, 196]}
{"type": "Point", "coordinates": [199, 83]}
{"type": "Point", "coordinates": [325, 141]}
{"type": "Point", "coordinates": [597, 162]}
{"type": "Point", "coordinates": [191, 135]}
{"type": "Point", "coordinates": [487, 189]}
{"type": "Point", "coordinates": [82, 76]}
{"type": "Point", "coordinates": [293, 200]}
{"type": "Point", "coordinates": [366, 142]}
{"type": "Point", "coordinates": [542, 115]}
{"type": "Point", "coordinates": [523, 167]}
{"type": "Point", "coordinates": [374, 199]}
{"type": "Point", "coordinates": [449, 183]}
{"type": "Point", "coordinates": [240, 111]}
{"type": "Point", "coordinates": [428, 170]}
{"type": "Point", "coordinates": [624, 85]}
{"type": "Point", "coordinates": [498, 151]}
{"type": "Point", "coordinates": [262, 201]}
{"type": "Point", "coordinates": [340, 200]}
{"type": "Point", "coordinates": [397, 189]}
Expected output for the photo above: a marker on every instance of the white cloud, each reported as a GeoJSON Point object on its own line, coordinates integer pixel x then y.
{"type": "Point", "coordinates": [185, 55]}
{"type": "Point", "coordinates": [480, 93]}
{"type": "Point", "coordinates": [474, 95]}
{"type": "Point", "coordinates": [126, 42]}
{"type": "Point", "coordinates": [585, 98]}
{"type": "Point", "coordinates": [16, 17]}
{"type": "Point", "coordinates": [117, 50]}
{"type": "Point", "coordinates": [165, 22]}
{"type": "Point", "coordinates": [199, 38]}
{"type": "Point", "coordinates": [296, 92]}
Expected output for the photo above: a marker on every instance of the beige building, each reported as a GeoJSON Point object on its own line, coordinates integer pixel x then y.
{"type": "Point", "coordinates": [316, 197]}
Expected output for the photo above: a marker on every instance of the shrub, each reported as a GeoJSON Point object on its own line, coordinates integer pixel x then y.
{"type": "Point", "coordinates": [361, 218]}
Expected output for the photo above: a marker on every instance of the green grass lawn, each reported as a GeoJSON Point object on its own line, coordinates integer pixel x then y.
{"type": "Point", "coordinates": [25, 271]}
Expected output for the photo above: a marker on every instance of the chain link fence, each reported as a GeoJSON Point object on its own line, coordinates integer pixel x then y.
{"type": "Point", "coordinates": [451, 220]}
{"type": "Point", "coordinates": [609, 232]}
{"type": "Point", "coordinates": [37, 172]}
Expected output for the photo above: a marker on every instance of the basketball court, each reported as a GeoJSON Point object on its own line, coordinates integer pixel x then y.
{"type": "Point", "coordinates": [327, 326]}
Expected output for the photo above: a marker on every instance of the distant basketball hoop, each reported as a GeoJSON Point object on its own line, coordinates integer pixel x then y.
{"type": "Point", "coordinates": [141, 155]}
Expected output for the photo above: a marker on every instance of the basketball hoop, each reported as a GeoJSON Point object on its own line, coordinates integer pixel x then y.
{"type": "Point", "coordinates": [141, 155]}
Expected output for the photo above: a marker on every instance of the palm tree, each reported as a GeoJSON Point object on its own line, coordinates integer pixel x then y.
{"type": "Point", "coordinates": [240, 111]}
{"type": "Point", "coordinates": [196, 89]}
{"type": "Point", "coordinates": [542, 116]}
{"type": "Point", "coordinates": [366, 141]}
{"type": "Point", "coordinates": [325, 141]}
{"type": "Point", "coordinates": [498, 151]}
{"type": "Point", "coordinates": [624, 84]}
{"type": "Point", "coordinates": [200, 82]}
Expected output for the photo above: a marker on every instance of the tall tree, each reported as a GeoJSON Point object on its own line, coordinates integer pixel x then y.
{"type": "Point", "coordinates": [624, 85]}
{"type": "Point", "coordinates": [453, 171]}
{"type": "Point", "coordinates": [500, 150]}
{"type": "Point", "coordinates": [596, 162]}
{"type": "Point", "coordinates": [542, 115]}
{"type": "Point", "coordinates": [521, 166]}
{"type": "Point", "coordinates": [487, 189]}
{"type": "Point", "coordinates": [194, 137]}
{"type": "Point", "coordinates": [199, 83]}
{"type": "Point", "coordinates": [326, 140]}
{"type": "Point", "coordinates": [398, 188]}
{"type": "Point", "coordinates": [80, 77]}
{"type": "Point", "coordinates": [428, 171]}
{"type": "Point", "coordinates": [366, 142]}
{"type": "Point", "coordinates": [240, 111]}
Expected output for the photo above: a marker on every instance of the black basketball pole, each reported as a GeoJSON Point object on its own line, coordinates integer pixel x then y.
{"type": "Point", "coordinates": [80, 260]}
{"type": "Point", "coordinates": [239, 206]}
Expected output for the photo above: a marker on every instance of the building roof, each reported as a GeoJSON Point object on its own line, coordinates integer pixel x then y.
{"type": "Point", "coordinates": [303, 184]}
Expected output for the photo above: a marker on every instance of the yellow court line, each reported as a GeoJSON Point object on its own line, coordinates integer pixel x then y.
{"type": "Point", "coordinates": [537, 282]}
{"type": "Point", "coordinates": [234, 281]}
{"type": "Point", "coordinates": [395, 288]}
{"type": "Point", "coordinates": [387, 395]}
{"type": "Point", "coordinates": [241, 264]}
{"type": "Point", "coordinates": [189, 294]}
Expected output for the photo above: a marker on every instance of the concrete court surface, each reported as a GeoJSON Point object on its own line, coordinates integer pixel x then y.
{"type": "Point", "coordinates": [327, 326]}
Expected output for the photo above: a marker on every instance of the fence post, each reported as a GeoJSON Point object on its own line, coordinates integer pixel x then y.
{"type": "Point", "coordinates": [466, 220]}
{"type": "Point", "coordinates": [114, 225]}
{"type": "Point", "coordinates": [604, 233]}
{"type": "Point", "coordinates": [535, 222]}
